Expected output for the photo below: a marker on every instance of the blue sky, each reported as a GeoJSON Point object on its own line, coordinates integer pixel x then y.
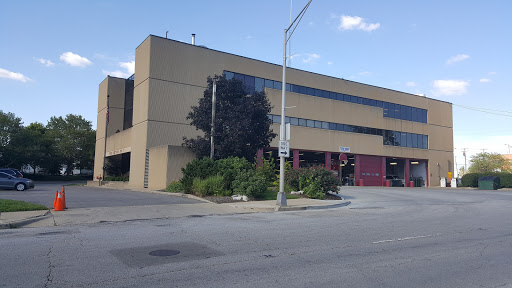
{"type": "Point", "coordinates": [54, 54]}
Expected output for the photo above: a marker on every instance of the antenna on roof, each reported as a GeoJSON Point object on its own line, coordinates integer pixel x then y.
{"type": "Point", "coordinates": [166, 34]}
{"type": "Point", "coordinates": [193, 39]}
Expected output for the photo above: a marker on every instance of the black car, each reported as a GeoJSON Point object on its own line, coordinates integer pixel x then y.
{"type": "Point", "coordinates": [8, 181]}
{"type": "Point", "coordinates": [12, 171]}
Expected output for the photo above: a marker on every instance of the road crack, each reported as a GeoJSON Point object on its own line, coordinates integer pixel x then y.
{"type": "Point", "coordinates": [49, 276]}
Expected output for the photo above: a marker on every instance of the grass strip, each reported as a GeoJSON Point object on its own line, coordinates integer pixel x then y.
{"type": "Point", "coordinates": [7, 205]}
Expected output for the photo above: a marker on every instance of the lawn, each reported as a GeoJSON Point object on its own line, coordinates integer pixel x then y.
{"type": "Point", "coordinates": [15, 205]}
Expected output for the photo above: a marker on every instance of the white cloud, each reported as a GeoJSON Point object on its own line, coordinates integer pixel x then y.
{"type": "Point", "coordinates": [75, 59]}
{"type": "Point", "coordinates": [45, 62]}
{"type": "Point", "coordinates": [458, 58]}
{"type": "Point", "coordinates": [310, 57]}
{"type": "Point", "coordinates": [410, 84]}
{"type": "Point", "coordinates": [492, 73]}
{"type": "Point", "coordinates": [329, 63]}
{"type": "Point", "coordinates": [364, 73]}
{"type": "Point", "coordinates": [13, 75]}
{"type": "Point", "coordinates": [450, 87]}
{"type": "Point", "coordinates": [128, 66]}
{"type": "Point", "coordinates": [117, 73]}
{"type": "Point", "coordinates": [485, 80]}
{"type": "Point", "coordinates": [356, 23]}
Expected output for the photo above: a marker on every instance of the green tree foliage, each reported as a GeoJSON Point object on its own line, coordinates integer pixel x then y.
{"type": "Point", "coordinates": [75, 140]}
{"type": "Point", "coordinates": [488, 162]}
{"type": "Point", "coordinates": [10, 126]}
{"type": "Point", "coordinates": [63, 141]}
{"type": "Point", "coordinates": [241, 124]}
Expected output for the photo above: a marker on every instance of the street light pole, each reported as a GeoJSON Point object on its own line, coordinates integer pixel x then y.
{"type": "Point", "coordinates": [281, 195]}
{"type": "Point", "coordinates": [508, 148]}
{"type": "Point", "coordinates": [212, 131]}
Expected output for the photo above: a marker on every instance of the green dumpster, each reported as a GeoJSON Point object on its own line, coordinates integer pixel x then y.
{"type": "Point", "coordinates": [489, 183]}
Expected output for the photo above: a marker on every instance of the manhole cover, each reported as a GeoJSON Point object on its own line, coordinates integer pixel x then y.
{"type": "Point", "coordinates": [164, 252]}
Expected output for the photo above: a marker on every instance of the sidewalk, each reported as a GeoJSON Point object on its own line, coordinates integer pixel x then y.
{"type": "Point", "coordinates": [80, 216]}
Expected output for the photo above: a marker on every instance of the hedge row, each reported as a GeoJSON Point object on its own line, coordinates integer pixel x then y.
{"type": "Point", "coordinates": [471, 179]}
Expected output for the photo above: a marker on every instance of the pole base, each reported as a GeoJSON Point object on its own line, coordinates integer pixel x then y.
{"type": "Point", "coordinates": [281, 199]}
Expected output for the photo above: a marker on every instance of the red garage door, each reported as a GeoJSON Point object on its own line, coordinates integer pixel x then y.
{"type": "Point", "coordinates": [370, 170]}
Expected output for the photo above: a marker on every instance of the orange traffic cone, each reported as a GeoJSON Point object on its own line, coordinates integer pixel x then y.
{"type": "Point", "coordinates": [63, 198]}
{"type": "Point", "coordinates": [59, 205]}
{"type": "Point", "coordinates": [55, 201]}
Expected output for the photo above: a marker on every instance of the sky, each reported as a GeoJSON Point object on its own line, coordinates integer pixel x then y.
{"type": "Point", "coordinates": [54, 54]}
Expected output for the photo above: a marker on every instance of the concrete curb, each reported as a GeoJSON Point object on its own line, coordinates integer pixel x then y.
{"type": "Point", "coordinates": [23, 222]}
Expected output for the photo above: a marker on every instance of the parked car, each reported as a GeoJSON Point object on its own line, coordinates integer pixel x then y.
{"type": "Point", "coordinates": [8, 181]}
{"type": "Point", "coordinates": [395, 181]}
{"type": "Point", "coordinates": [12, 171]}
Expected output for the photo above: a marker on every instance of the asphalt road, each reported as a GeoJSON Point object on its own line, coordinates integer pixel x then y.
{"type": "Point", "coordinates": [90, 197]}
{"type": "Point", "coordinates": [387, 237]}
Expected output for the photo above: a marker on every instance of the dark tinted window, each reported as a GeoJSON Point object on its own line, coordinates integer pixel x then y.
{"type": "Point", "coordinates": [403, 112]}
{"type": "Point", "coordinates": [386, 109]}
{"type": "Point", "coordinates": [391, 110]}
{"type": "Point", "coordinates": [269, 83]}
{"type": "Point", "coordinates": [278, 85]}
{"type": "Point", "coordinates": [303, 122]}
{"type": "Point", "coordinates": [318, 124]}
{"type": "Point", "coordinates": [414, 140]}
{"type": "Point", "coordinates": [409, 140]}
{"type": "Point", "coordinates": [311, 123]}
{"type": "Point", "coordinates": [397, 138]}
{"type": "Point", "coordinates": [425, 141]}
{"type": "Point", "coordinates": [366, 101]}
{"type": "Point", "coordinates": [229, 75]}
{"type": "Point", "coordinates": [341, 127]}
{"type": "Point", "coordinates": [332, 126]}
{"type": "Point", "coordinates": [325, 125]}
{"type": "Point", "coordinates": [277, 119]}
{"type": "Point", "coordinates": [294, 121]}
{"type": "Point", "coordinates": [325, 94]}
{"type": "Point", "coordinates": [259, 84]}
{"type": "Point", "coordinates": [409, 113]}
{"type": "Point", "coordinates": [339, 97]}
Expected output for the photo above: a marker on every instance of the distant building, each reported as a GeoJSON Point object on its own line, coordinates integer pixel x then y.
{"type": "Point", "coordinates": [384, 133]}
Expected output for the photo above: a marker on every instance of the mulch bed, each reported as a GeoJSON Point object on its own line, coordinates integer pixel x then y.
{"type": "Point", "coordinates": [228, 199]}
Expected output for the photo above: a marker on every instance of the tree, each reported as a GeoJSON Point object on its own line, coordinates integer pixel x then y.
{"type": "Point", "coordinates": [487, 162]}
{"type": "Point", "coordinates": [241, 122]}
{"type": "Point", "coordinates": [74, 139]}
{"type": "Point", "coordinates": [10, 126]}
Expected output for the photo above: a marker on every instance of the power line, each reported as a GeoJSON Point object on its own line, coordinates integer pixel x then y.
{"type": "Point", "coordinates": [488, 111]}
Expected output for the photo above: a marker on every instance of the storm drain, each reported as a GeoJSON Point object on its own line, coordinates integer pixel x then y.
{"type": "Point", "coordinates": [164, 253]}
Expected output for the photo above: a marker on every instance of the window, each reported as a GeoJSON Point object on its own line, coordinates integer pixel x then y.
{"type": "Point", "coordinates": [325, 125]}
{"type": "Point", "coordinates": [403, 139]}
{"type": "Point", "coordinates": [239, 76]}
{"type": "Point", "coordinates": [318, 93]}
{"type": "Point", "coordinates": [425, 142]}
{"type": "Point", "coordinates": [302, 122]}
{"type": "Point", "coordinates": [332, 95]}
{"type": "Point", "coordinates": [277, 119]}
{"type": "Point", "coordinates": [359, 100]}
{"type": "Point", "coordinates": [286, 119]}
{"type": "Point", "coordinates": [409, 140]}
{"type": "Point", "coordinates": [397, 138]}
{"type": "Point", "coordinates": [414, 140]}
{"type": "Point", "coordinates": [414, 112]}
{"type": "Point", "coordinates": [269, 83]}
{"type": "Point", "coordinates": [271, 117]}
{"type": "Point", "coordinates": [391, 110]}
{"type": "Point", "coordinates": [318, 124]}
{"type": "Point", "coordinates": [259, 84]}
{"type": "Point", "coordinates": [340, 127]}
{"type": "Point", "coordinates": [278, 85]}
{"type": "Point", "coordinates": [424, 115]}
{"type": "Point", "coordinates": [409, 113]}
{"type": "Point", "coordinates": [311, 123]}
{"type": "Point", "coordinates": [403, 112]}
{"type": "Point", "coordinates": [385, 109]}
{"type": "Point", "coordinates": [311, 91]}
{"type": "Point", "coordinates": [294, 121]}
{"type": "Point", "coordinates": [325, 94]}
{"type": "Point", "coordinates": [373, 102]}
{"type": "Point", "coordinates": [288, 87]}
{"type": "Point", "coordinates": [366, 101]}
{"type": "Point", "coordinates": [332, 126]}
{"type": "Point", "coordinates": [229, 75]}
{"type": "Point", "coordinates": [339, 97]}
{"type": "Point", "coordinates": [379, 104]}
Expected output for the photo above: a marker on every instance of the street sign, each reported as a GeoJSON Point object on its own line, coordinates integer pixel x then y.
{"type": "Point", "coordinates": [284, 149]}
{"type": "Point", "coordinates": [345, 149]}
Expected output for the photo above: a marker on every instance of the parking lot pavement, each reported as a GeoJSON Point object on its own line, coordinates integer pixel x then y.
{"type": "Point", "coordinates": [92, 197]}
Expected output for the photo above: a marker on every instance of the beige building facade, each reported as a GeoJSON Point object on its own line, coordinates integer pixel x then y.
{"type": "Point", "coordinates": [383, 134]}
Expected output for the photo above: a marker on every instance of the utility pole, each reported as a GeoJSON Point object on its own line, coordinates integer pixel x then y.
{"type": "Point", "coordinates": [213, 115]}
{"type": "Point", "coordinates": [508, 148]}
{"type": "Point", "coordinates": [483, 150]}
{"type": "Point", "coordinates": [281, 196]}
{"type": "Point", "coordinates": [465, 163]}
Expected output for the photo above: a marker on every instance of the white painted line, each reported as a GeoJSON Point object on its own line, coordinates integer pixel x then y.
{"type": "Point", "coordinates": [406, 238]}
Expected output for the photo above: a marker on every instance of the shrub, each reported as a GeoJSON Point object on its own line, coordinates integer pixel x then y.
{"type": "Point", "coordinates": [200, 187]}
{"type": "Point", "coordinates": [199, 168]}
{"type": "Point", "coordinates": [314, 190]}
{"type": "Point", "coordinates": [267, 170]}
{"type": "Point", "coordinates": [215, 185]}
{"type": "Point", "coordinates": [251, 184]}
{"type": "Point", "coordinates": [117, 178]}
{"type": "Point", "coordinates": [174, 186]}
{"type": "Point", "coordinates": [230, 167]}
{"type": "Point", "coordinates": [303, 177]}
{"type": "Point", "coordinates": [471, 179]}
